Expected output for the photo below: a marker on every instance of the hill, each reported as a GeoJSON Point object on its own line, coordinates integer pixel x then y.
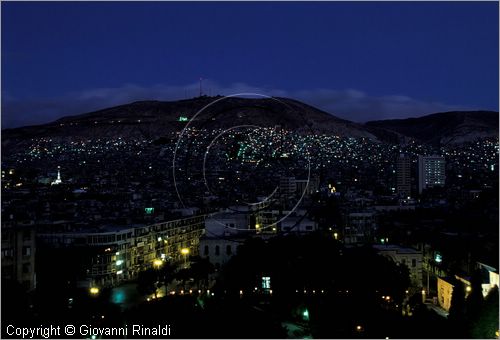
{"type": "Point", "coordinates": [154, 119]}
{"type": "Point", "coordinates": [445, 127]}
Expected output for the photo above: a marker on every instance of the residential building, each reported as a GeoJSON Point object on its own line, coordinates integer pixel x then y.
{"type": "Point", "coordinates": [18, 254]}
{"type": "Point", "coordinates": [359, 227]}
{"type": "Point", "coordinates": [409, 257]}
{"type": "Point", "coordinates": [403, 176]}
{"type": "Point", "coordinates": [431, 172]}
{"type": "Point", "coordinates": [111, 254]}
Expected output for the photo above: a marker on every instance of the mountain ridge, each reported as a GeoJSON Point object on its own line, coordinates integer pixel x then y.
{"type": "Point", "coordinates": [155, 119]}
{"type": "Point", "coordinates": [443, 128]}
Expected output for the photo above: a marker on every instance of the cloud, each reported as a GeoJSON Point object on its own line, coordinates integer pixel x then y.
{"type": "Point", "coordinates": [349, 104]}
{"type": "Point", "coordinates": [357, 106]}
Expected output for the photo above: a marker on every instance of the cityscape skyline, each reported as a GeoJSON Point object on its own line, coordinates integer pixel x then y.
{"type": "Point", "coordinates": [230, 170]}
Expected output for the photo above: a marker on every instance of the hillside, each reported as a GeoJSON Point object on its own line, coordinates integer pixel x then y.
{"type": "Point", "coordinates": [154, 119]}
{"type": "Point", "coordinates": [445, 127]}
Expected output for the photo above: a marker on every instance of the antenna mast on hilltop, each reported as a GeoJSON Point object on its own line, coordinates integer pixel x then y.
{"type": "Point", "coordinates": [201, 90]}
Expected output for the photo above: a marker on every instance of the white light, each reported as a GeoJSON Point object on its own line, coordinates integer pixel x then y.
{"type": "Point", "coordinates": [119, 272]}
{"type": "Point", "coordinates": [119, 262]}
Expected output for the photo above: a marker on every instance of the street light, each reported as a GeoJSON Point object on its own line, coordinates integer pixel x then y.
{"type": "Point", "coordinates": [185, 252]}
{"type": "Point", "coordinates": [305, 315]}
{"type": "Point", "coordinates": [157, 263]}
{"type": "Point", "coordinates": [94, 290]}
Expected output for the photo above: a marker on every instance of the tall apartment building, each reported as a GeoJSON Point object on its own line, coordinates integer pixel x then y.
{"type": "Point", "coordinates": [431, 172]}
{"type": "Point", "coordinates": [359, 227]}
{"type": "Point", "coordinates": [112, 254]}
{"type": "Point", "coordinates": [18, 254]}
{"type": "Point", "coordinates": [403, 176]}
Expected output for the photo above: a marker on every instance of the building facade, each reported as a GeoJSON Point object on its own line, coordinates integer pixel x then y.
{"type": "Point", "coordinates": [431, 172]}
{"type": "Point", "coordinates": [359, 227]}
{"type": "Point", "coordinates": [403, 176]}
{"type": "Point", "coordinates": [113, 254]}
{"type": "Point", "coordinates": [18, 254]}
{"type": "Point", "coordinates": [409, 257]}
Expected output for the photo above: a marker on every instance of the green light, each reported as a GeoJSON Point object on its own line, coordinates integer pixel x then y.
{"type": "Point", "coordinates": [149, 211]}
{"type": "Point", "coordinates": [183, 119]}
{"type": "Point", "coordinates": [305, 314]}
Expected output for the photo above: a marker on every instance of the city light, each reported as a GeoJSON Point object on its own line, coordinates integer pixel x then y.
{"type": "Point", "coordinates": [305, 315]}
{"type": "Point", "coordinates": [108, 207]}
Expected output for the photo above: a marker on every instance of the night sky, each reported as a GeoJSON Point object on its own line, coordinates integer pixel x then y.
{"type": "Point", "coordinates": [360, 61]}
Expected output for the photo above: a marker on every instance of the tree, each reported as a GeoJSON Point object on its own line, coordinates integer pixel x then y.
{"type": "Point", "coordinates": [457, 309]}
{"type": "Point", "coordinates": [486, 324]}
{"type": "Point", "coordinates": [475, 298]}
{"type": "Point", "coordinates": [200, 270]}
{"type": "Point", "coordinates": [146, 282]}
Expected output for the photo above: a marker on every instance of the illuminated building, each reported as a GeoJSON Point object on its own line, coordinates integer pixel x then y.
{"type": "Point", "coordinates": [445, 288]}
{"type": "Point", "coordinates": [111, 254]}
{"type": "Point", "coordinates": [58, 179]}
{"type": "Point", "coordinates": [431, 172]}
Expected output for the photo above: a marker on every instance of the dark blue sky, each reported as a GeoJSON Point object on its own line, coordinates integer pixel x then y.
{"type": "Point", "coordinates": [360, 61]}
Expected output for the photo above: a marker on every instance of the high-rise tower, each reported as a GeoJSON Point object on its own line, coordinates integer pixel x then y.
{"type": "Point", "coordinates": [431, 172]}
{"type": "Point", "coordinates": [403, 176]}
